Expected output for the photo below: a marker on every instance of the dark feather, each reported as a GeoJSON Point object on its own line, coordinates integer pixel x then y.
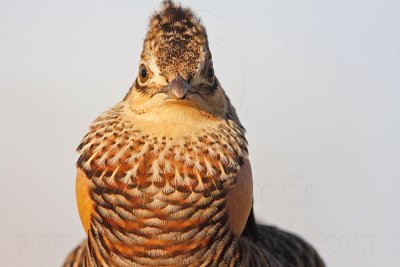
{"type": "Point", "coordinates": [264, 245]}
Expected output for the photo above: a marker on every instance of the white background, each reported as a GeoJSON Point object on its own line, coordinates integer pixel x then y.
{"type": "Point", "coordinates": [316, 84]}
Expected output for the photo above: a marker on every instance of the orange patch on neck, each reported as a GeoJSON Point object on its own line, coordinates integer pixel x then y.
{"type": "Point", "coordinates": [240, 199]}
{"type": "Point", "coordinates": [85, 203]}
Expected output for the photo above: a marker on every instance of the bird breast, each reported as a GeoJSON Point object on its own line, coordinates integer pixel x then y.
{"type": "Point", "coordinates": [145, 192]}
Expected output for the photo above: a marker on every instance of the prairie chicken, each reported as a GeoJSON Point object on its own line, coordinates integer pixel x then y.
{"type": "Point", "coordinates": [163, 177]}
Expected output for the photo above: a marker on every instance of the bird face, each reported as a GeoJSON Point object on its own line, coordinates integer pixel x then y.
{"type": "Point", "coordinates": [176, 72]}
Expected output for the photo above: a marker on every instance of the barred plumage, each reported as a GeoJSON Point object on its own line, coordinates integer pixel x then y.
{"type": "Point", "coordinates": [163, 177]}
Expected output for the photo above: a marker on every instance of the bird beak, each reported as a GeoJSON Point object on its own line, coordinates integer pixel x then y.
{"type": "Point", "coordinates": [177, 89]}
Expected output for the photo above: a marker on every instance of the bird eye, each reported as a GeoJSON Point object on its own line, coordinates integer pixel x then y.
{"type": "Point", "coordinates": [210, 72]}
{"type": "Point", "coordinates": [143, 74]}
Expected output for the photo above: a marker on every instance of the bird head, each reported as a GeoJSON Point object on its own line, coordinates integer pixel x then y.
{"type": "Point", "coordinates": [176, 69]}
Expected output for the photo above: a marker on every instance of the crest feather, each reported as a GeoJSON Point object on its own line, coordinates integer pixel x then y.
{"type": "Point", "coordinates": [171, 12]}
